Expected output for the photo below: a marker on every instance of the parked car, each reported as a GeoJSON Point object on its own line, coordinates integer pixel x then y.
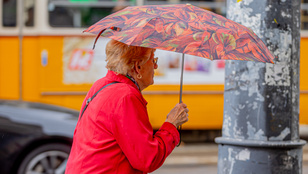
{"type": "Point", "coordinates": [35, 138]}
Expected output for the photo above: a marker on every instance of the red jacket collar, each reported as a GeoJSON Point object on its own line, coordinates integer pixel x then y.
{"type": "Point", "coordinates": [113, 76]}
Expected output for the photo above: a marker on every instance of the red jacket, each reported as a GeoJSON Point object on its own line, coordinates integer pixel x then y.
{"type": "Point", "coordinates": [114, 134]}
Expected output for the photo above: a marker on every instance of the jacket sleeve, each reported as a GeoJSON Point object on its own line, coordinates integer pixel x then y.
{"type": "Point", "coordinates": [134, 134]}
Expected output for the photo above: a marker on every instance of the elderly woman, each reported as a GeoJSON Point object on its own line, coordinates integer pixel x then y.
{"type": "Point", "coordinates": [114, 134]}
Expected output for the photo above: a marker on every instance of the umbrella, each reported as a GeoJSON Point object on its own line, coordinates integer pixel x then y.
{"type": "Point", "coordinates": [183, 28]}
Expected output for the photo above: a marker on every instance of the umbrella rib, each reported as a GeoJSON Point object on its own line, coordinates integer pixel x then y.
{"type": "Point", "coordinates": [98, 35]}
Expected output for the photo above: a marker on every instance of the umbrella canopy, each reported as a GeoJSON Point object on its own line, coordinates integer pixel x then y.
{"type": "Point", "coordinates": [185, 29]}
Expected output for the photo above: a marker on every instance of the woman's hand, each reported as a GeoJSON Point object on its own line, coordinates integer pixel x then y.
{"type": "Point", "coordinates": [178, 115]}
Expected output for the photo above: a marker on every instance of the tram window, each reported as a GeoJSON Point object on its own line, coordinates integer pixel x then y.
{"type": "Point", "coordinates": [29, 13]}
{"type": "Point", "coordinates": [304, 15]}
{"type": "Point", "coordinates": [60, 17]}
{"type": "Point", "coordinates": [9, 13]}
{"type": "Point", "coordinates": [71, 15]}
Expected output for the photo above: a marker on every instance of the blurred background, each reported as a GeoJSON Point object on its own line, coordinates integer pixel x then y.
{"type": "Point", "coordinates": [47, 65]}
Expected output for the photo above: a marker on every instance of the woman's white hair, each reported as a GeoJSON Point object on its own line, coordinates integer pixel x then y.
{"type": "Point", "coordinates": [121, 57]}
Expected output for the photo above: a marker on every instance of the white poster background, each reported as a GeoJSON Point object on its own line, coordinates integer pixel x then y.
{"type": "Point", "coordinates": [197, 70]}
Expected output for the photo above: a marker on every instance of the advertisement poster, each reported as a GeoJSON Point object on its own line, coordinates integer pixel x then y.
{"type": "Point", "coordinates": [83, 65]}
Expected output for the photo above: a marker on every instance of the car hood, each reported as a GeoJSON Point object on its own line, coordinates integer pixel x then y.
{"type": "Point", "coordinates": [52, 122]}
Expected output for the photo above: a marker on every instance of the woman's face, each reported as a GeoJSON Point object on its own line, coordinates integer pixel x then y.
{"type": "Point", "coordinates": [147, 72]}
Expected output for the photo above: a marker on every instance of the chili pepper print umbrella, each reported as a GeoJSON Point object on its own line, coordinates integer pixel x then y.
{"type": "Point", "coordinates": [183, 28]}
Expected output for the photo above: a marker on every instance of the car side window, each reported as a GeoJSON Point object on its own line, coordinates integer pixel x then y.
{"type": "Point", "coordinates": [9, 13]}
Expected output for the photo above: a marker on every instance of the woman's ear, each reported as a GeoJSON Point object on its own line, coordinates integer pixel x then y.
{"type": "Point", "coordinates": [137, 67]}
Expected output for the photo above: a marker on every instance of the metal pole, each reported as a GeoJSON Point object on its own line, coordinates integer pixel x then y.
{"type": "Point", "coordinates": [20, 24]}
{"type": "Point", "coordinates": [261, 101]}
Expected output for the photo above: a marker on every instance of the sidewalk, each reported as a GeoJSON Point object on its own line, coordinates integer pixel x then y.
{"type": "Point", "coordinates": [202, 154]}
{"type": "Point", "coordinates": [188, 154]}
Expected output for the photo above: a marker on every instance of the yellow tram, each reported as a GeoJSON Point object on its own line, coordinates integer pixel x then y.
{"type": "Point", "coordinates": [45, 58]}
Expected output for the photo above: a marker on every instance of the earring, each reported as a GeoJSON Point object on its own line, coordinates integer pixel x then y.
{"type": "Point", "coordinates": [139, 76]}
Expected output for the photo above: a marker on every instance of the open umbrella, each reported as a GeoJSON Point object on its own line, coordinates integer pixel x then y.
{"type": "Point", "coordinates": [183, 28]}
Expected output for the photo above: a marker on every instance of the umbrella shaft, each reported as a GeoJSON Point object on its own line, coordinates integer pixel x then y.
{"type": "Point", "coordinates": [181, 89]}
{"type": "Point", "coordinates": [181, 82]}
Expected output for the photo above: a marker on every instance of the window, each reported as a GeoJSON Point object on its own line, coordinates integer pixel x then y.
{"type": "Point", "coordinates": [72, 13]}
{"type": "Point", "coordinates": [216, 6]}
{"type": "Point", "coordinates": [304, 15]}
{"type": "Point", "coordinates": [83, 13]}
{"type": "Point", "coordinates": [29, 13]}
{"type": "Point", "coordinates": [9, 13]}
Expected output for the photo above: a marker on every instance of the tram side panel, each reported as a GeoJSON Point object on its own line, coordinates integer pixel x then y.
{"type": "Point", "coordinates": [303, 105]}
{"type": "Point", "coordinates": [9, 67]}
{"type": "Point", "coordinates": [30, 68]}
{"type": "Point", "coordinates": [206, 109]}
{"type": "Point", "coordinates": [53, 89]}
